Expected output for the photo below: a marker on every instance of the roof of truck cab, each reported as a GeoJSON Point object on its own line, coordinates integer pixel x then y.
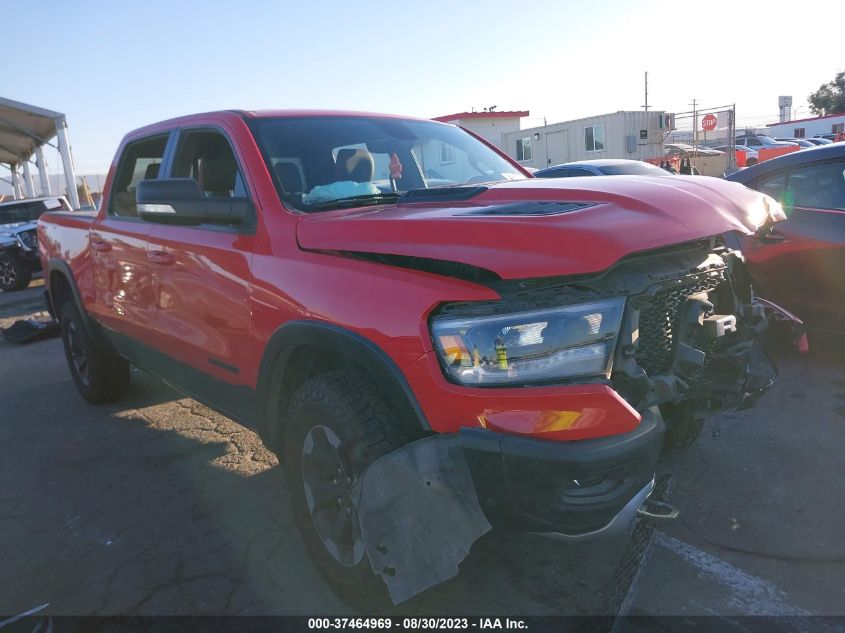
{"type": "Point", "coordinates": [261, 114]}
{"type": "Point", "coordinates": [269, 114]}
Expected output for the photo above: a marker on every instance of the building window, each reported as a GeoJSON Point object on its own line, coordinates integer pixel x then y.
{"type": "Point", "coordinates": [800, 132]}
{"type": "Point", "coordinates": [523, 148]}
{"type": "Point", "coordinates": [594, 138]}
{"type": "Point", "coordinates": [447, 154]}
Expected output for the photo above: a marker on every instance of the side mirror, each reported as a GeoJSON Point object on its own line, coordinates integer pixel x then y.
{"type": "Point", "coordinates": [180, 201]}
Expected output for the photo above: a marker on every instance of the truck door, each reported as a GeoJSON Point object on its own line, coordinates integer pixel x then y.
{"type": "Point", "coordinates": [122, 273]}
{"type": "Point", "coordinates": [202, 273]}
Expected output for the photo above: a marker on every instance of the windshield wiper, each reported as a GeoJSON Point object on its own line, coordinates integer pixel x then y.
{"type": "Point", "coordinates": [355, 201]}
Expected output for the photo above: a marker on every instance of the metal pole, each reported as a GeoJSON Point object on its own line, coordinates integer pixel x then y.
{"type": "Point", "coordinates": [27, 180]}
{"type": "Point", "coordinates": [646, 91]}
{"type": "Point", "coordinates": [732, 144]}
{"type": "Point", "coordinates": [16, 182]}
{"type": "Point", "coordinates": [43, 176]}
{"type": "Point", "coordinates": [694, 127]}
{"type": "Point", "coordinates": [67, 161]}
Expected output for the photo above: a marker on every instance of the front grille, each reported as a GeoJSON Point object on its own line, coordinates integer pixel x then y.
{"type": "Point", "coordinates": [660, 319]}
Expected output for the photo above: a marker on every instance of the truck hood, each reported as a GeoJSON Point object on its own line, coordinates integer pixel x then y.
{"type": "Point", "coordinates": [13, 228]}
{"type": "Point", "coordinates": [543, 227]}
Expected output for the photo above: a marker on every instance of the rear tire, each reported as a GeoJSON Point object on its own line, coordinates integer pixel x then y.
{"type": "Point", "coordinates": [338, 424]}
{"type": "Point", "coordinates": [99, 373]}
{"type": "Point", "coordinates": [15, 274]}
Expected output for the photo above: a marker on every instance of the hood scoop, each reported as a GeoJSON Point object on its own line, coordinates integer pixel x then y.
{"type": "Point", "coordinates": [528, 209]}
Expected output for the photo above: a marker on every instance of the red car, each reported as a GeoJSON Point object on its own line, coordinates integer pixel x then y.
{"type": "Point", "coordinates": [800, 263]}
{"type": "Point", "coordinates": [431, 340]}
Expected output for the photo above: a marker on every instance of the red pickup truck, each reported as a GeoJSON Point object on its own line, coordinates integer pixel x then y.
{"type": "Point", "coordinates": [431, 340]}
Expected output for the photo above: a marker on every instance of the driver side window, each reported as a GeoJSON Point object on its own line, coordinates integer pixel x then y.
{"type": "Point", "coordinates": [207, 157]}
{"type": "Point", "coordinates": [818, 186]}
{"type": "Point", "coordinates": [774, 186]}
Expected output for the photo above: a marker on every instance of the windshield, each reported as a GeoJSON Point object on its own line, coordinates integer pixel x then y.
{"type": "Point", "coordinates": [633, 169]}
{"type": "Point", "coordinates": [24, 211]}
{"type": "Point", "coordinates": [371, 160]}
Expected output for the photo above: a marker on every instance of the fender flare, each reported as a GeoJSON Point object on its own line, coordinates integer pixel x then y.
{"type": "Point", "coordinates": [62, 267]}
{"type": "Point", "coordinates": [352, 347]}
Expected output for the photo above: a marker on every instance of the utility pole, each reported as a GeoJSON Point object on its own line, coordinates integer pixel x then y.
{"type": "Point", "coordinates": [646, 92]}
{"type": "Point", "coordinates": [694, 124]}
{"type": "Point", "coordinates": [732, 139]}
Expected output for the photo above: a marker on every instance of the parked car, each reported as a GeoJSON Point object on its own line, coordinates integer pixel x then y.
{"type": "Point", "coordinates": [18, 242]}
{"type": "Point", "coordinates": [800, 262]}
{"type": "Point", "coordinates": [760, 141]}
{"type": "Point", "coordinates": [689, 151]}
{"type": "Point", "coordinates": [819, 141]}
{"type": "Point", "coordinates": [833, 138]}
{"type": "Point", "coordinates": [601, 167]}
{"type": "Point", "coordinates": [426, 362]}
{"type": "Point", "coordinates": [751, 156]}
{"type": "Point", "coordinates": [801, 142]}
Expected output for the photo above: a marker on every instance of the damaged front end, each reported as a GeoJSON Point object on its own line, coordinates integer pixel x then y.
{"type": "Point", "coordinates": [692, 339]}
{"type": "Point", "coordinates": [688, 345]}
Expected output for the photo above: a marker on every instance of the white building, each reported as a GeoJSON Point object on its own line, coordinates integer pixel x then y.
{"type": "Point", "coordinates": [491, 126]}
{"type": "Point", "coordinates": [807, 128]}
{"type": "Point", "coordinates": [625, 134]}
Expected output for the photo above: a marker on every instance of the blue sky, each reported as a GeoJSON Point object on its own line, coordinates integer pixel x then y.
{"type": "Point", "coordinates": [114, 66]}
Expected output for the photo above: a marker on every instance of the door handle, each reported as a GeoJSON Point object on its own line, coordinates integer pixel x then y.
{"type": "Point", "coordinates": [101, 246]}
{"type": "Point", "coordinates": [772, 236]}
{"type": "Point", "coordinates": [162, 258]}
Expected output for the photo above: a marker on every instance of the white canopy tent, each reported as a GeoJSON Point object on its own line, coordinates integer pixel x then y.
{"type": "Point", "coordinates": [24, 131]}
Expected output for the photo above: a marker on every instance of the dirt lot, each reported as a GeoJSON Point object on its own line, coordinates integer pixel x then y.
{"type": "Point", "coordinates": [158, 505]}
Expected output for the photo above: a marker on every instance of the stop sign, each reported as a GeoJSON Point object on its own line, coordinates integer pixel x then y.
{"type": "Point", "coordinates": [708, 122]}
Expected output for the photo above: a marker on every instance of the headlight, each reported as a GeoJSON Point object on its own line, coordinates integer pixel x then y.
{"type": "Point", "coordinates": [530, 347]}
{"type": "Point", "coordinates": [28, 239]}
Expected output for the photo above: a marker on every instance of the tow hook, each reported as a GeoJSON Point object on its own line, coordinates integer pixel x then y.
{"type": "Point", "coordinates": [657, 511]}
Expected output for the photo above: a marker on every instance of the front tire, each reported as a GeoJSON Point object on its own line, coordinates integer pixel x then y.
{"type": "Point", "coordinates": [338, 424]}
{"type": "Point", "coordinates": [15, 274]}
{"type": "Point", "coordinates": [99, 373]}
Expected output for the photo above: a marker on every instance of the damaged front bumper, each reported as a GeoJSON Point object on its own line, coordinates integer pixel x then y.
{"type": "Point", "coordinates": [573, 489]}
{"type": "Point", "coordinates": [422, 506]}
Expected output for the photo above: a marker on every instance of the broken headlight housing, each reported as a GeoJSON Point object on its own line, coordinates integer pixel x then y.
{"type": "Point", "coordinates": [537, 346]}
{"type": "Point", "coordinates": [28, 240]}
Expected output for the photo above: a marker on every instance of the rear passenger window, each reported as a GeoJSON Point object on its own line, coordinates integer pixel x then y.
{"type": "Point", "coordinates": [141, 160]}
{"type": "Point", "coordinates": [207, 157]}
